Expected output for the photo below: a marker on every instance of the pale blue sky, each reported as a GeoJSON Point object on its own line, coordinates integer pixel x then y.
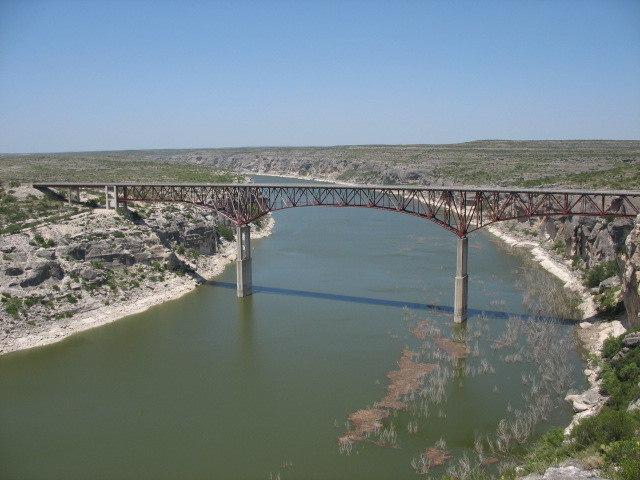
{"type": "Point", "coordinates": [115, 74]}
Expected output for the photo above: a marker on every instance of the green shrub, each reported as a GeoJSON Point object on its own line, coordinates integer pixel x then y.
{"type": "Point", "coordinates": [157, 267]}
{"type": "Point", "coordinates": [596, 274]}
{"type": "Point", "coordinates": [606, 427]}
{"type": "Point", "coordinates": [559, 247]}
{"type": "Point", "coordinates": [554, 437]}
{"type": "Point", "coordinates": [608, 302]}
{"type": "Point", "coordinates": [118, 235]}
{"type": "Point", "coordinates": [612, 345]}
{"type": "Point", "coordinates": [225, 232]}
{"type": "Point", "coordinates": [624, 456]}
{"type": "Point", "coordinates": [629, 373]}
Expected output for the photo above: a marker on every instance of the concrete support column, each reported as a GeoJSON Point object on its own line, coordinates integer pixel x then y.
{"type": "Point", "coordinates": [69, 195]}
{"type": "Point", "coordinates": [243, 261]}
{"type": "Point", "coordinates": [124, 203]}
{"type": "Point", "coordinates": [107, 197]}
{"type": "Point", "coordinates": [462, 283]}
{"type": "Point", "coordinates": [115, 197]}
{"type": "Point", "coordinates": [78, 194]}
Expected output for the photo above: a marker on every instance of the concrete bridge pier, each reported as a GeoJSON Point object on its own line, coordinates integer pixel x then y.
{"type": "Point", "coordinates": [243, 261]}
{"type": "Point", "coordinates": [74, 194]}
{"type": "Point", "coordinates": [107, 197]}
{"type": "Point", "coordinates": [462, 282]}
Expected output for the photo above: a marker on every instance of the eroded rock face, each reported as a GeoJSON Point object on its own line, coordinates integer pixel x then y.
{"type": "Point", "coordinates": [630, 268]}
{"type": "Point", "coordinates": [93, 252]}
{"type": "Point", "coordinates": [13, 271]}
{"type": "Point", "coordinates": [603, 240]}
{"type": "Point", "coordinates": [41, 272]}
{"type": "Point", "coordinates": [594, 240]}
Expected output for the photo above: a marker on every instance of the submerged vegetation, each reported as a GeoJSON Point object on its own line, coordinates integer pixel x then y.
{"type": "Point", "coordinates": [448, 358]}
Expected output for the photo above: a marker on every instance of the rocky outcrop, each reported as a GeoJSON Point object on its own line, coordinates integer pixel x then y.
{"type": "Point", "coordinates": [97, 260]}
{"type": "Point", "coordinates": [630, 268]}
{"type": "Point", "coordinates": [569, 472]}
{"type": "Point", "coordinates": [592, 243]}
{"type": "Point", "coordinates": [40, 272]}
{"type": "Point", "coordinates": [590, 239]}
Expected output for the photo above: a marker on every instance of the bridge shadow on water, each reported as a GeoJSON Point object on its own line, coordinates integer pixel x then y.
{"type": "Point", "coordinates": [438, 309]}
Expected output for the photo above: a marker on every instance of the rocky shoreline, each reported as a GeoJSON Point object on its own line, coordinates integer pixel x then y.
{"type": "Point", "coordinates": [96, 267]}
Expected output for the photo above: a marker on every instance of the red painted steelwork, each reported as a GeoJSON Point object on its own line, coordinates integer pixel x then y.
{"type": "Point", "coordinates": [460, 210]}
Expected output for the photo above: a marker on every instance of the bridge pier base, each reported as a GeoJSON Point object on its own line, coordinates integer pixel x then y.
{"type": "Point", "coordinates": [462, 282]}
{"type": "Point", "coordinates": [243, 261]}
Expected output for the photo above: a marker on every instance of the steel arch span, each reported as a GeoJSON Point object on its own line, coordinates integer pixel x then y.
{"type": "Point", "coordinates": [461, 210]}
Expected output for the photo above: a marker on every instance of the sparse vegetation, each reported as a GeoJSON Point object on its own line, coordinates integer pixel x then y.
{"type": "Point", "coordinates": [598, 273]}
{"type": "Point", "coordinates": [609, 439]}
{"type": "Point", "coordinates": [225, 232]}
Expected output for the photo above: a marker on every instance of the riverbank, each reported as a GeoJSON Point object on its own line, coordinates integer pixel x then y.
{"type": "Point", "coordinates": [94, 268]}
{"type": "Point", "coordinates": [593, 330]}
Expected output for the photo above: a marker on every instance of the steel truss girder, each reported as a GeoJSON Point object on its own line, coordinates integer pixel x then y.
{"type": "Point", "coordinates": [461, 210]}
{"type": "Point", "coordinates": [458, 209]}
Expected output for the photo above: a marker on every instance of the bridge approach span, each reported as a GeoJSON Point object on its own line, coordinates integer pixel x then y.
{"type": "Point", "coordinates": [459, 209]}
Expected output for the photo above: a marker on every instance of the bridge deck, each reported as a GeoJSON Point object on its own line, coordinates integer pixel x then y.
{"type": "Point", "coordinates": [417, 188]}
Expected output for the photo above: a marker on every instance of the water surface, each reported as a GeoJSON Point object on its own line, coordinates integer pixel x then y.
{"type": "Point", "coordinates": [210, 386]}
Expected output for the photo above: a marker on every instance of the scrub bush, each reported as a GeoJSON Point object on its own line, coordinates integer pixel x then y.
{"type": "Point", "coordinates": [606, 427]}
{"type": "Point", "coordinates": [625, 455]}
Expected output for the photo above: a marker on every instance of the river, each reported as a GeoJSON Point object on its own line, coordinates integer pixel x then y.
{"type": "Point", "coordinates": [210, 386]}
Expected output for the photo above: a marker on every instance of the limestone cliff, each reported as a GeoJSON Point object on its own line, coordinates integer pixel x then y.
{"type": "Point", "coordinates": [54, 274]}
{"type": "Point", "coordinates": [629, 263]}
{"type": "Point", "coordinates": [605, 252]}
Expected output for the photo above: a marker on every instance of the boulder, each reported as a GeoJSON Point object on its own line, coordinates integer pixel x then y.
{"type": "Point", "coordinates": [586, 400]}
{"type": "Point", "coordinates": [564, 473]}
{"type": "Point", "coordinates": [634, 406]}
{"type": "Point", "coordinates": [610, 282]}
{"type": "Point", "coordinates": [13, 271]}
{"type": "Point", "coordinates": [77, 252]}
{"type": "Point", "coordinates": [93, 275]}
{"type": "Point", "coordinates": [41, 272]}
{"type": "Point", "coordinates": [632, 340]}
{"type": "Point", "coordinates": [46, 253]}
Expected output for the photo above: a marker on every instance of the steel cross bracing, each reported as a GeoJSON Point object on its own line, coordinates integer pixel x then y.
{"type": "Point", "coordinates": [460, 210]}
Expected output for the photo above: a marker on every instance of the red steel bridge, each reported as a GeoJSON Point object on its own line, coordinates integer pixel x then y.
{"type": "Point", "coordinates": [459, 209]}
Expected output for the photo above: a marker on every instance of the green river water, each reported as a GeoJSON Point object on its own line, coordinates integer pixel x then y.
{"type": "Point", "coordinates": [210, 386]}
